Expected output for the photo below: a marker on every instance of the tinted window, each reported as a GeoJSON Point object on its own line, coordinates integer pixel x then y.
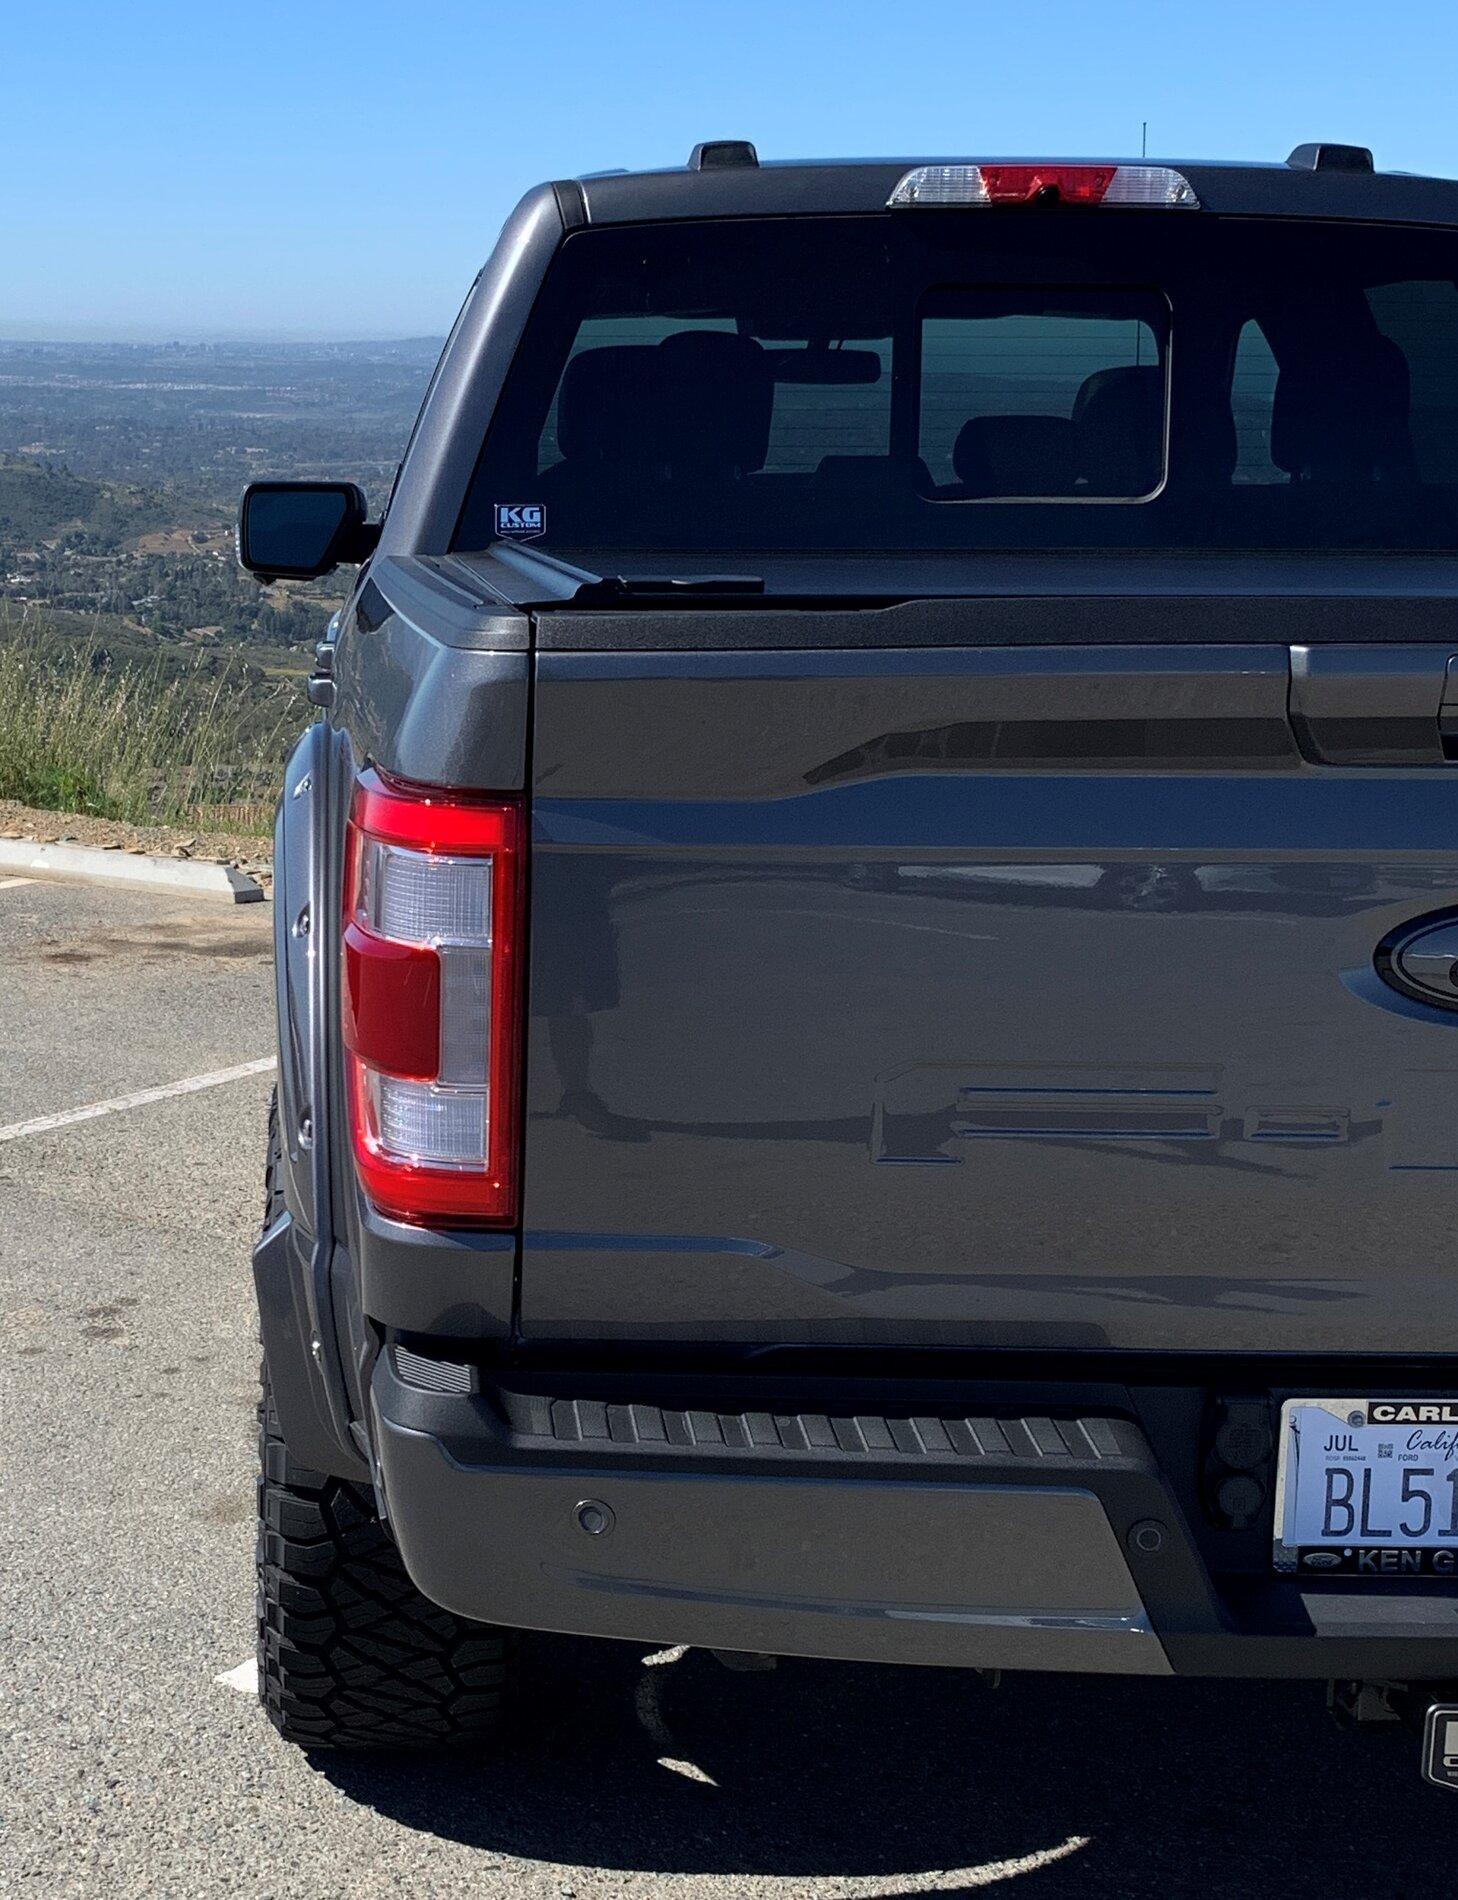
{"type": "Point", "coordinates": [1026, 393]}
{"type": "Point", "coordinates": [985, 379]}
{"type": "Point", "coordinates": [613, 333]}
{"type": "Point", "coordinates": [1421, 321]}
{"type": "Point", "coordinates": [1252, 397]}
{"type": "Point", "coordinates": [826, 401]}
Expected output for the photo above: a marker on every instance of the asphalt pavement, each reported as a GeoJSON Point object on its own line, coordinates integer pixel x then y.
{"type": "Point", "coordinates": [126, 1503]}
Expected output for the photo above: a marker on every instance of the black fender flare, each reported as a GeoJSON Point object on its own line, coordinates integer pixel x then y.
{"type": "Point", "coordinates": [298, 1258]}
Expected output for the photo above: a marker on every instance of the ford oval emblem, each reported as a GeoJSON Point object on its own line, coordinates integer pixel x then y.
{"type": "Point", "coordinates": [1322, 1559]}
{"type": "Point", "coordinates": [1421, 959]}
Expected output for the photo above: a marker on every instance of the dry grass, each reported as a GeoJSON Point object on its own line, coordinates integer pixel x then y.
{"type": "Point", "coordinates": [140, 744]}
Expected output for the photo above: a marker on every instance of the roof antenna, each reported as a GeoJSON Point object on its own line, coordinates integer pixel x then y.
{"type": "Point", "coordinates": [1144, 139]}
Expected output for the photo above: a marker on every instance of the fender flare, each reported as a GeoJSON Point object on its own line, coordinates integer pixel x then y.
{"type": "Point", "coordinates": [297, 1259]}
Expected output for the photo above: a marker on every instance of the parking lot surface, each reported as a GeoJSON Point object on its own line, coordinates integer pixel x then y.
{"type": "Point", "coordinates": [126, 1504]}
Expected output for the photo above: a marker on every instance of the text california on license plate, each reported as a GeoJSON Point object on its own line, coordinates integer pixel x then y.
{"type": "Point", "coordinates": [1368, 1488]}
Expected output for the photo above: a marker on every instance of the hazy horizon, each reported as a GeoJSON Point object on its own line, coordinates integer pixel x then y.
{"type": "Point", "coordinates": [161, 335]}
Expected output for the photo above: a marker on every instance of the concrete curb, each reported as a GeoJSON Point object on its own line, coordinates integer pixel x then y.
{"type": "Point", "coordinates": [188, 877]}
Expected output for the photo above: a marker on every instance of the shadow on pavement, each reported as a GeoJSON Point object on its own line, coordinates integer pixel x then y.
{"type": "Point", "coordinates": [900, 1782]}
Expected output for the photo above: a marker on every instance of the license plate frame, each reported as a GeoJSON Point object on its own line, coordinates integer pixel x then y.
{"type": "Point", "coordinates": [1399, 1423]}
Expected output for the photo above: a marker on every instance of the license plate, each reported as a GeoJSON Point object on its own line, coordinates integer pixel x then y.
{"type": "Point", "coordinates": [1368, 1488]}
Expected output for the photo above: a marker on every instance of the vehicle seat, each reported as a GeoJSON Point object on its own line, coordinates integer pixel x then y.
{"type": "Point", "coordinates": [1118, 416]}
{"type": "Point", "coordinates": [874, 479]}
{"type": "Point", "coordinates": [1014, 456]}
{"type": "Point", "coordinates": [1344, 417]}
{"type": "Point", "coordinates": [691, 410]}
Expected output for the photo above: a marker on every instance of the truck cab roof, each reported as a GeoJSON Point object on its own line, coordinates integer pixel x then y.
{"type": "Point", "coordinates": [1317, 181]}
{"type": "Point", "coordinates": [1222, 234]}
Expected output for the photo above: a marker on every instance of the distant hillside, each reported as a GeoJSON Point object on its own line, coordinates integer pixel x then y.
{"type": "Point", "coordinates": [40, 500]}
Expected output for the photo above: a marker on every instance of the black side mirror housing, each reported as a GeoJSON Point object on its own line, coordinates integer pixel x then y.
{"type": "Point", "coordinates": [297, 531]}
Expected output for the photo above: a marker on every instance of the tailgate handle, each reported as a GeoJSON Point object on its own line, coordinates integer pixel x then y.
{"type": "Point", "coordinates": [1357, 705]}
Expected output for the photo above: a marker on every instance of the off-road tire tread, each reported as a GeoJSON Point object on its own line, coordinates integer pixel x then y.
{"type": "Point", "coordinates": [350, 1654]}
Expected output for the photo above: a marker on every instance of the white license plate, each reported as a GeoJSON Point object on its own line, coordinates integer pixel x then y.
{"type": "Point", "coordinates": [1368, 1488]}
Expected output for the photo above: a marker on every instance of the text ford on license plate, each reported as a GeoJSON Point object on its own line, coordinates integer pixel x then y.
{"type": "Point", "coordinates": [1368, 1488]}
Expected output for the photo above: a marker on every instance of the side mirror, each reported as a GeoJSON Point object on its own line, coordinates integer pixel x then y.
{"type": "Point", "coordinates": [299, 530]}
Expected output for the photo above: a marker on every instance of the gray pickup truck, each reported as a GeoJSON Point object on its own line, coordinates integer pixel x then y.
{"type": "Point", "coordinates": [867, 944]}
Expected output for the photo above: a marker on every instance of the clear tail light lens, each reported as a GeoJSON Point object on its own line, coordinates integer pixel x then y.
{"type": "Point", "coordinates": [431, 1001]}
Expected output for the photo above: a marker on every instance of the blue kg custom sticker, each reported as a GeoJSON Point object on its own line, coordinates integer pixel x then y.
{"type": "Point", "coordinates": [520, 520]}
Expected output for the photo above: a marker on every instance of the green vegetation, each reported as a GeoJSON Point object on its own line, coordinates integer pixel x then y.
{"type": "Point", "coordinates": [39, 500]}
{"type": "Point", "coordinates": [147, 744]}
{"type": "Point", "coordinates": [158, 570]}
{"type": "Point", "coordinates": [142, 676]}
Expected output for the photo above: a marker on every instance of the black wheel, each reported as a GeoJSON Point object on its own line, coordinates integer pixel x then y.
{"type": "Point", "coordinates": [350, 1654]}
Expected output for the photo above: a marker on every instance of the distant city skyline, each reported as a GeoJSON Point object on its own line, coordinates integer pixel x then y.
{"type": "Point", "coordinates": [337, 171]}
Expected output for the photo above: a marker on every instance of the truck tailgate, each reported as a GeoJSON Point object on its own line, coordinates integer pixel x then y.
{"type": "Point", "coordinates": [1011, 996]}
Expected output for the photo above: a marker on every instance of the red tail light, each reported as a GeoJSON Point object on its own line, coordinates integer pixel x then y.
{"type": "Point", "coordinates": [1020, 184]}
{"type": "Point", "coordinates": [432, 1001]}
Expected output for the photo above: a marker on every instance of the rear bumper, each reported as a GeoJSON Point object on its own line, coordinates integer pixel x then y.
{"type": "Point", "coordinates": [1015, 1543]}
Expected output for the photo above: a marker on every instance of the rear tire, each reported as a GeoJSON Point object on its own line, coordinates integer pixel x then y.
{"type": "Point", "coordinates": [350, 1654]}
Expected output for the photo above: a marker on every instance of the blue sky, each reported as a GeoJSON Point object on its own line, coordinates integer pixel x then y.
{"type": "Point", "coordinates": [326, 169]}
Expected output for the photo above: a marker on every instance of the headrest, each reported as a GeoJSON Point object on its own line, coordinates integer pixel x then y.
{"type": "Point", "coordinates": [699, 402]}
{"type": "Point", "coordinates": [1016, 455]}
{"type": "Point", "coordinates": [854, 474]}
{"type": "Point", "coordinates": [1119, 416]}
{"type": "Point", "coordinates": [602, 391]}
{"type": "Point", "coordinates": [1344, 415]}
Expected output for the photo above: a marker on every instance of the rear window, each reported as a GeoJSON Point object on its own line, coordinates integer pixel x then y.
{"type": "Point", "coordinates": [984, 379]}
{"type": "Point", "coordinates": [1015, 391]}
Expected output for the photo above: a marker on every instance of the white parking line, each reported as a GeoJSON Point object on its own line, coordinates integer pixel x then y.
{"type": "Point", "coordinates": [649, 1710]}
{"type": "Point", "coordinates": [9, 883]}
{"type": "Point", "coordinates": [992, 1873]}
{"type": "Point", "coordinates": [244, 1678]}
{"type": "Point", "coordinates": [43, 1124]}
